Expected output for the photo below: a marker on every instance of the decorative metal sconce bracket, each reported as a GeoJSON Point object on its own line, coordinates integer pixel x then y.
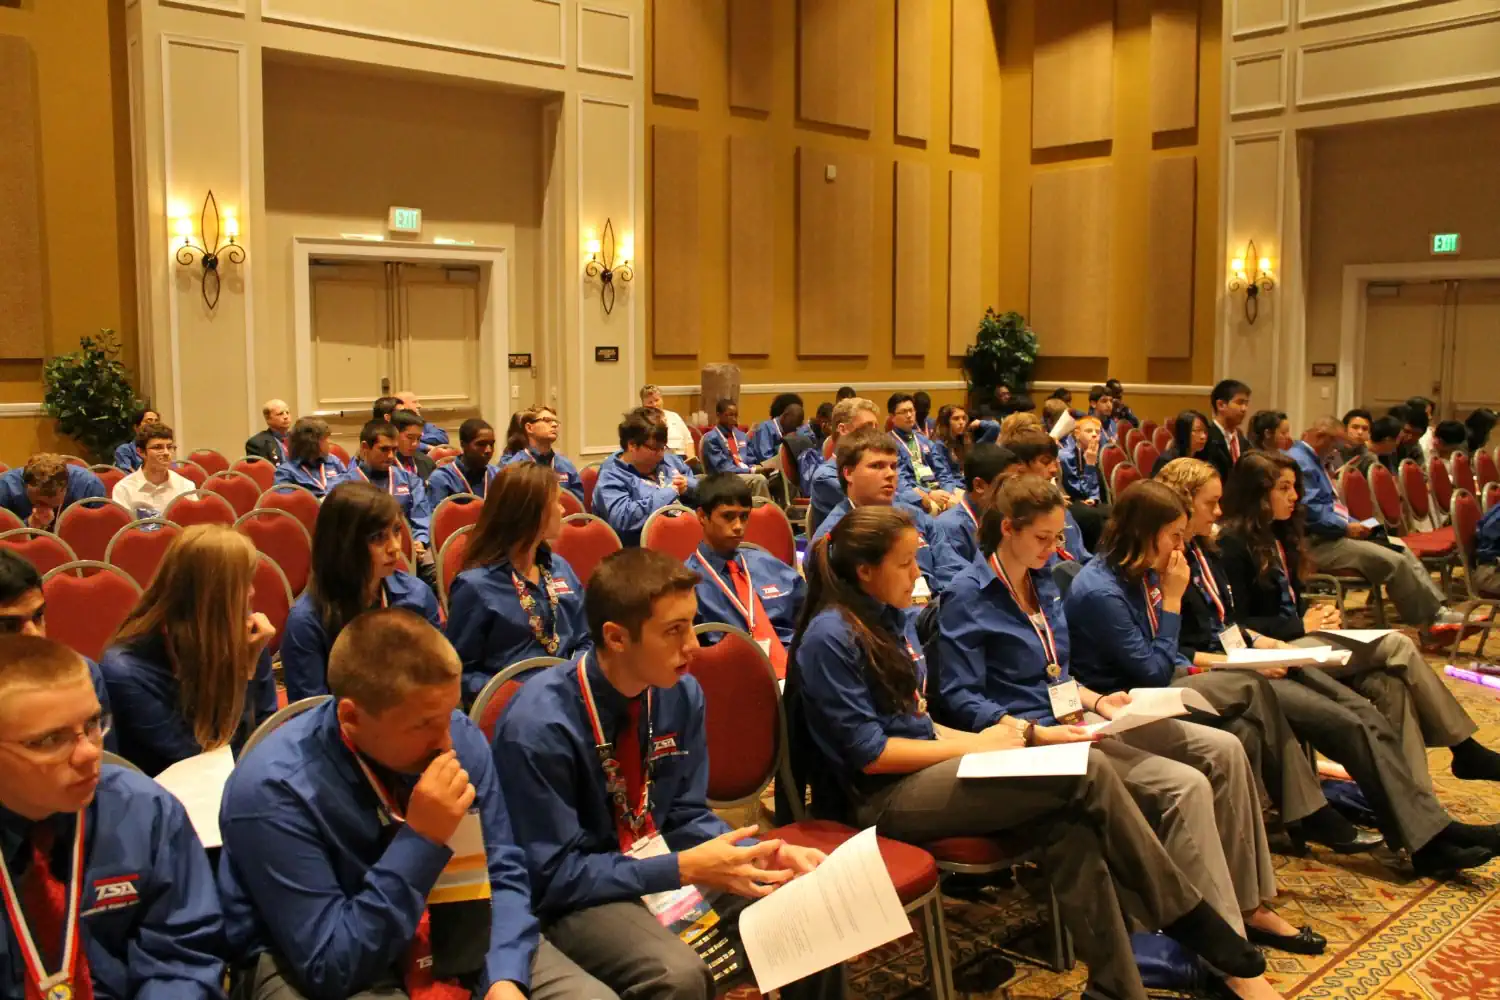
{"type": "Point", "coordinates": [601, 265]}
{"type": "Point", "coordinates": [211, 250]}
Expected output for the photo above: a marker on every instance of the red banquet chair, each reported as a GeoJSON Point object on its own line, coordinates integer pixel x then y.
{"type": "Point", "coordinates": [1413, 483]}
{"type": "Point", "coordinates": [192, 471]}
{"type": "Point", "coordinates": [1463, 473]}
{"type": "Point", "coordinates": [273, 596]}
{"type": "Point", "coordinates": [1355, 490]}
{"type": "Point", "coordinates": [585, 542]}
{"type": "Point", "coordinates": [75, 460]}
{"type": "Point", "coordinates": [44, 550]}
{"type": "Point", "coordinates": [109, 475]}
{"type": "Point", "coordinates": [1441, 485]}
{"type": "Point", "coordinates": [1485, 470]}
{"type": "Point", "coordinates": [589, 477]}
{"type": "Point", "coordinates": [258, 469]}
{"type": "Point", "coordinates": [1124, 477]}
{"type": "Point", "coordinates": [297, 501]}
{"type": "Point", "coordinates": [457, 511]}
{"type": "Point", "coordinates": [281, 536]}
{"type": "Point", "coordinates": [570, 503]}
{"type": "Point", "coordinates": [1162, 438]}
{"type": "Point", "coordinates": [337, 451]}
{"type": "Point", "coordinates": [89, 524]}
{"type": "Point", "coordinates": [10, 520]}
{"type": "Point", "coordinates": [1387, 496]}
{"type": "Point", "coordinates": [1133, 437]}
{"type": "Point", "coordinates": [139, 547]}
{"type": "Point", "coordinates": [242, 492]}
{"type": "Point", "coordinates": [199, 507]}
{"type": "Point", "coordinates": [209, 460]}
{"type": "Point", "coordinates": [1110, 456]}
{"type": "Point", "coordinates": [828, 447]}
{"type": "Point", "coordinates": [1145, 454]}
{"type": "Point", "coordinates": [500, 689]}
{"type": "Point", "coordinates": [769, 528]}
{"type": "Point", "coordinates": [1491, 496]}
{"type": "Point", "coordinates": [1148, 428]}
{"type": "Point", "coordinates": [673, 529]}
{"type": "Point", "coordinates": [1465, 515]}
{"type": "Point", "coordinates": [87, 602]}
{"type": "Point", "coordinates": [450, 561]}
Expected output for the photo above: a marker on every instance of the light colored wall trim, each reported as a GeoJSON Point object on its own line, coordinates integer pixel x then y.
{"type": "Point", "coordinates": [628, 72]}
{"type": "Point", "coordinates": [1238, 30]}
{"type": "Point", "coordinates": [234, 8]}
{"type": "Point", "coordinates": [269, 13]}
{"type": "Point", "coordinates": [1352, 314]}
{"type": "Point", "coordinates": [22, 410]}
{"type": "Point", "coordinates": [1233, 242]}
{"type": "Point", "coordinates": [1238, 110]}
{"type": "Point", "coordinates": [1353, 10]}
{"type": "Point", "coordinates": [771, 388]}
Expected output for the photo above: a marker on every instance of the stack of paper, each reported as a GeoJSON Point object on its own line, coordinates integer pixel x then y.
{"type": "Point", "coordinates": [1300, 656]}
{"type": "Point", "coordinates": [1064, 426]}
{"type": "Point", "coordinates": [198, 783]}
{"type": "Point", "coordinates": [1026, 762]}
{"type": "Point", "coordinates": [1148, 705]}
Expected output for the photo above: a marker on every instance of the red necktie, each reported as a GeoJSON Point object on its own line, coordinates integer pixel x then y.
{"type": "Point", "coordinates": [45, 902]}
{"type": "Point", "coordinates": [417, 971]}
{"type": "Point", "coordinates": [762, 630]}
{"type": "Point", "coordinates": [628, 756]}
{"type": "Point", "coordinates": [734, 446]}
{"type": "Point", "coordinates": [1234, 446]}
{"type": "Point", "coordinates": [1065, 555]}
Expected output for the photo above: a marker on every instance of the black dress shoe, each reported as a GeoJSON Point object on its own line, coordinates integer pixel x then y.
{"type": "Point", "coordinates": [1362, 841]}
{"type": "Point", "coordinates": [1331, 829]}
{"type": "Point", "coordinates": [1439, 859]}
{"type": "Point", "coordinates": [1305, 942]}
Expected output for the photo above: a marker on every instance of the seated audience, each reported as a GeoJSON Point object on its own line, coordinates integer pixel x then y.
{"type": "Point", "coordinates": [1015, 423]}
{"type": "Point", "coordinates": [845, 392]}
{"type": "Point", "coordinates": [1230, 400]}
{"type": "Point", "coordinates": [515, 598]}
{"type": "Point", "coordinates": [1078, 463]}
{"type": "Point", "coordinates": [1036, 454]}
{"type": "Point", "coordinates": [270, 444]}
{"type": "Point", "coordinates": [1120, 410]}
{"type": "Point", "coordinates": [1064, 396]}
{"type": "Point", "coordinates": [1487, 553]}
{"type": "Point", "coordinates": [724, 446]}
{"type": "Point", "coordinates": [128, 455]}
{"type": "Point", "coordinates": [471, 471]}
{"type": "Point", "coordinates": [1481, 426]}
{"type": "Point", "coordinates": [377, 466]}
{"type": "Point", "coordinates": [310, 463]}
{"type": "Point", "coordinates": [924, 466]}
{"type": "Point", "coordinates": [1270, 431]}
{"type": "Point", "coordinates": [75, 829]}
{"type": "Point", "coordinates": [679, 437]}
{"type": "Point", "coordinates": [1052, 412]}
{"type": "Point", "coordinates": [1448, 437]}
{"type": "Point", "coordinates": [1102, 409]}
{"type": "Point", "coordinates": [190, 668]}
{"type": "Point", "coordinates": [743, 586]}
{"type": "Point", "coordinates": [958, 526]}
{"type": "Point", "coordinates": [638, 479]}
{"type": "Point", "coordinates": [605, 816]}
{"type": "Point", "coordinates": [515, 437]}
{"type": "Point", "coordinates": [821, 423]}
{"type": "Point", "coordinates": [1383, 444]}
{"type": "Point", "coordinates": [862, 736]}
{"type": "Point", "coordinates": [539, 424]}
{"type": "Point", "coordinates": [1357, 426]}
{"type": "Point", "coordinates": [342, 829]}
{"type": "Point", "coordinates": [410, 455]}
{"type": "Point", "coordinates": [44, 487]}
{"type": "Point", "coordinates": [1414, 429]}
{"type": "Point", "coordinates": [1340, 723]}
{"type": "Point", "coordinates": [1419, 412]}
{"type": "Point", "coordinates": [1189, 439]}
{"type": "Point", "coordinates": [432, 434]}
{"type": "Point", "coordinates": [383, 407]}
{"type": "Point", "coordinates": [922, 403]}
{"type": "Point", "coordinates": [356, 565]}
{"type": "Point", "coordinates": [824, 489]}
{"type": "Point", "coordinates": [147, 491]}
{"type": "Point", "coordinates": [951, 433]}
{"type": "Point", "coordinates": [764, 446]}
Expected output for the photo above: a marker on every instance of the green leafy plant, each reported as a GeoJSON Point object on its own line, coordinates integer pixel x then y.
{"type": "Point", "coordinates": [1003, 353]}
{"type": "Point", "coordinates": [90, 395]}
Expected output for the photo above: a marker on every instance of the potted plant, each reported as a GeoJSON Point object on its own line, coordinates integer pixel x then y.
{"type": "Point", "coordinates": [1003, 353]}
{"type": "Point", "coordinates": [90, 395]}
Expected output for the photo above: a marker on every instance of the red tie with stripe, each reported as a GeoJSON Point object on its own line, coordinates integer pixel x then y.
{"type": "Point", "coordinates": [734, 446]}
{"type": "Point", "coordinates": [45, 901]}
{"type": "Point", "coordinates": [763, 631]}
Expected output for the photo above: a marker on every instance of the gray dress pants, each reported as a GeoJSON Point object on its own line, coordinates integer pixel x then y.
{"type": "Point", "coordinates": [1102, 857]}
{"type": "Point", "coordinates": [1416, 597]}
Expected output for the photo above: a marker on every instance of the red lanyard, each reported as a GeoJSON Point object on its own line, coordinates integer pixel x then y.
{"type": "Point", "coordinates": [322, 475]}
{"type": "Point", "coordinates": [390, 478]}
{"type": "Point", "coordinates": [34, 968]}
{"type": "Point", "coordinates": [387, 803]}
{"type": "Point", "coordinates": [1042, 628]}
{"type": "Point", "coordinates": [1209, 585]}
{"type": "Point", "coordinates": [970, 511]}
{"type": "Point", "coordinates": [746, 613]}
{"type": "Point", "coordinates": [1152, 594]}
{"type": "Point", "coordinates": [637, 819]}
{"type": "Point", "coordinates": [1286, 573]}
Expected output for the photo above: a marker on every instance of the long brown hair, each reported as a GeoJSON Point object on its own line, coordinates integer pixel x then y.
{"type": "Point", "coordinates": [1247, 511]}
{"type": "Point", "coordinates": [1019, 500]}
{"type": "Point", "coordinates": [862, 538]}
{"type": "Point", "coordinates": [515, 507]}
{"type": "Point", "coordinates": [341, 565]}
{"type": "Point", "coordinates": [1139, 515]}
{"type": "Point", "coordinates": [943, 432]}
{"type": "Point", "coordinates": [199, 601]}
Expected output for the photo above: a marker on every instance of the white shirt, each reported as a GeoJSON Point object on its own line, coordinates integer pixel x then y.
{"type": "Point", "coordinates": [679, 438]}
{"type": "Point", "coordinates": [1425, 441]}
{"type": "Point", "coordinates": [145, 499]}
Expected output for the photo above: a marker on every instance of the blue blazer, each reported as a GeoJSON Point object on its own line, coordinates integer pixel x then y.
{"type": "Point", "coordinates": [318, 478]}
{"type": "Point", "coordinates": [82, 484]}
{"type": "Point", "coordinates": [127, 457]}
{"type": "Point", "coordinates": [567, 472]}
{"type": "Point", "coordinates": [714, 450]}
{"type": "Point", "coordinates": [454, 478]}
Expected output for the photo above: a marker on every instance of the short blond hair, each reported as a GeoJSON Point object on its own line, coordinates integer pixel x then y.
{"type": "Point", "coordinates": [382, 655]}
{"type": "Point", "coordinates": [845, 410]}
{"type": "Point", "coordinates": [38, 662]}
{"type": "Point", "coordinates": [1186, 476]}
{"type": "Point", "coordinates": [1016, 423]}
{"type": "Point", "coordinates": [1052, 411]}
{"type": "Point", "coordinates": [1088, 421]}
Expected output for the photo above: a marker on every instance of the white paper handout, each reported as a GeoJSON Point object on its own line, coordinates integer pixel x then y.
{"type": "Point", "coordinates": [198, 783]}
{"type": "Point", "coordinates": [845, 907]}
{"type": "Point", "coordinates": [1148, 705]}
{"type": "Point", "coordinates": [1026, 762]}
{"type": "Point", "coordinates": [1371, 523]}
{"type": "Point", "coordinates": [1299, 656]}
{"type": "Point", "coordinates": [1064, 426]}
{"type": "Point", "coordinates": [1360, 635]}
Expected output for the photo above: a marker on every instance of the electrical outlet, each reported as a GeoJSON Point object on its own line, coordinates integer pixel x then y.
{"type": "Point", "coordinates": [1326, 392]}
{"type": "Point", "coordinates": [830, 173]}
{"type": "Point", "coordinates": [515, 392]}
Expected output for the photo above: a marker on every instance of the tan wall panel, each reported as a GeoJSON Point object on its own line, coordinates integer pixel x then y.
{"type": "Point", "coordinates": [676, 46]}
{"type": "Point", "coordinates": [835, 254]}
{"type": "Point", "coordinates": [752, 245]}
{"type": "Point", "coordinates": [676, 307]}
{"type": "Point", "coordinates": [1071, 230]}
{"type": "Point", "coordinates": [1257, 83]}
{"type": "Point", "coordinates": [913, 279]}
{"type": "Point", "coordinates": [1460, 54]}
{"type": "Point", "coordinates": [965, 244]}
{"type": "Point", "coordinates": [1255, 205]}
{"type": "Point", "coordinates": [750, 54]}
{"type": "Point", "coordinates": [913, 69]}
{"type": "Point", "coordinates": [1254, 17]}
{"type": "Point", "coordinates": [836, 50]}
{"type": "Point", "coordinates": [1317, 11]}
{"type": "Point", "coordinates": [972, 41]}
{"type": "Point", "coordinates": [1072, 96]}
{"type": "Point", "coordinates": [1174, 65]}
{"type": "Point", "coordinates": [605, 44]}
{"type": "Point", "coordinates": [524, 29]}
{"type": "Point", "coordinates": [1169, 248]}
{"type": "Point", "coordinates": [23, 317]}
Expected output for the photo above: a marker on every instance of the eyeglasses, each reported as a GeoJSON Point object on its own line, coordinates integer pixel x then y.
{"type": "Point", "coordinates": [14, 624]}
{"type": "Point", "coordinates": [164, 449]}
{"type": "Point", "coordinates": [58, 745]}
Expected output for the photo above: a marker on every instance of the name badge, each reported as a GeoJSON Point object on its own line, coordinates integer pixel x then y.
{"type": "Point", "coordinates": [920, 592]}
{"type": "Point", "coordinates": [1232, 638]}
{"type": "Point", "coordinates": [765, 645]}
{"type": "Point", "coordinates": [466, 876]}
{"type": "Point", "coordinates": [1066, 701]}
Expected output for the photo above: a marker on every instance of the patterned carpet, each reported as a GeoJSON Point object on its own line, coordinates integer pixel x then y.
{"type": "Point", "coordinates": [1391, 936]}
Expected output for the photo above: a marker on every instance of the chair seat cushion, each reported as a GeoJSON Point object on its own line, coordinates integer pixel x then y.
{"type": "Point", "coordinates": [1431, 544]}
{"type": "Point", "coordinates": [975, 851]}
{"type": "Point", "coordinates": [912, 869]}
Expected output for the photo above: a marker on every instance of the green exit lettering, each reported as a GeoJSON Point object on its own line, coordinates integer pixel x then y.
{"type": "Point", "coordinates": [1445, 243]}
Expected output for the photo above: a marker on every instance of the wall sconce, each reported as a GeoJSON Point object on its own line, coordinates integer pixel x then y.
{"type": "Point", "coordinates": [601, 264]}
{"type": "Point", "coordinates": [1254, 281]}
{"type": "Point", "coordinates": [221, 243]}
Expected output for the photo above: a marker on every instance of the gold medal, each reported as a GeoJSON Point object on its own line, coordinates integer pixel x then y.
{"type": "Point", "coordinates": [60, 991]}
{"type": "Point", "coordinates": [921, 704]}
{"type": "Point", "coordinates": [1054, 671]}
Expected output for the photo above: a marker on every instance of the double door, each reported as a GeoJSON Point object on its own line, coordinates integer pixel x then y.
{"type": "Point", "coordinates": [1439, 339]}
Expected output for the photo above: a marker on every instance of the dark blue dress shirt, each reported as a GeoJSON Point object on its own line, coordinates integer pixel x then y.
{"type": "Point", "coordinates": [319, 478]}
{"type": "Point", "coordinates": [1079, 479]}
{"type": "Point", "coordinates": [81, 484]}
{"type": "Point", "coordinates": [933, 456]}
{"type": "Point", "coordinates": [779, 586]}
{"type": "Point", "coordinates": [455, 477]}
{"type": "Point", "coordinates": [714, 450]}
{"type": "Point", "coordinates": [128, 457]}
{"type": "Point", "coordinates": [567, 472]}
{"type": "Point", "coordinates": [1318, 494]}
{"type": "Point", "coordinates": [626, 498]}
{"type": "Point", "coordinates": [1116, 648]}
{"type": "Point", "coordinates": [409, 491]}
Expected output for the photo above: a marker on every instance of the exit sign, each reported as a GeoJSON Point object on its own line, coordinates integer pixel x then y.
{"type": "Point", "coordinates": [406, 220]}
{"type": "Point", "coordinates": [1444, 243]}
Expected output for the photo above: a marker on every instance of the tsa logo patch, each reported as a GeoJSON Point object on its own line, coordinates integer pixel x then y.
{"type": "Point", "coordinates": [114, 893]}
{"type": "Point", "coordinates": [665, 745]}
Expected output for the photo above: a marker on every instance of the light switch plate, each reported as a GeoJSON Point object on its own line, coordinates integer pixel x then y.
{"type": "Point", "coordinates": [830, 173]}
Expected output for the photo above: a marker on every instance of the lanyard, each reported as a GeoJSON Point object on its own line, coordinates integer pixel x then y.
{"type": "Point", "coordinates": [322, 475]}
{"type": "Point", "coordinates": [746, 613]}
{"type": "Point", "coordinates": [390, 478]}
{"type": "Point", "coordinates": [922, 687]}
{"type": "Point", "coordinates": [1208, 584]}
{"type": "Point", "coordinates": [1151, 594]}
{"type": "Point", "coordinates": [634, 819]}
{"type": "Point", "coordinates": [970, 511]}
{"type": "Point", "coordinates": [1043, 628]}
{"type": "Point", "coordinates": [33, 957]}
{"type": "Point", "coordinates": [1286, 573]}
{"type": "Point", "coordinates": [387, 803]}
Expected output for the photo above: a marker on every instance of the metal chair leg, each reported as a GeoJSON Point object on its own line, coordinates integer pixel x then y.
{"type": "Point", "coordinates": [939, 954]}
{"type": "Point", "coordinates": [1062, 941]}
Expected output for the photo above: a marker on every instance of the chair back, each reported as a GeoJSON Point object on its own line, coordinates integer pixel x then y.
{"type": "Point", "coordinates": [673, 529]}
{"type": "Point", "coordinates": [281, 536]}
{"type": "Point", "coordinates": [200, 507]}
{"type": "Point", "coordinates": [1485, 470]}
{"type": "Point", "coordinates": [88, 525]}
{"type": "Point", "coordinates": [1064, 572]}
{"type": "Point", "coordinates": [589, 477]}
{"type": "Point", "coordinates": [44, 550]}
{"type": "Point", "coordinates": [1440, 483]}
{"type": "Point", "coordinates": [791, 472]}
{"type": "Point", "coordinates": [282, 715]}
{"type": "Point", "coordinates": [1110, 458]}
{"type": "Point", "coordinates": [1132, 437]}
{"type": "Point", "coordinates": [1162, 438]}
{"type": "Point", "coordinates": [1148, 428]}
{"type": "Point", "coordinates": [769, 528]}
{"type": "Point", "coordinates": [258, 469]}
{"type": "Point", "coordinates": [10, 520]}
{"type": "Point", "coordinates": [585, 542]}
{"type": "Point", "coordinates": [743, 721]}
{"type": "Point", "coordinates": [139, 547]}
{"type": "Point", "coordinates": [696, 433]}
{"type": "Point", "coordinates": [1491, 496]}
{"type": "Point", "coordinates": [87, 602]}
{"type": "Point", "coordinates": [1145, 454]}
{"type": "Point", "coordinates": [500, 689]}
{"type": "Point", "coordinates": [75, 460]}
{"type": "Point", "coordinates": [1355, 489]}
{"type": "Point", "coordinates": [1414, 489]}
{"type": "Point", "coordinates": [570, 502]}
{"type": "Point", "coordinates": [337, 451]}
{"type": "Point", "coordinates": [1125, 476]}
{"type": "Point", "coordinates": [106, 757]}
{"type": "Point", "coordinates": [297, 501]}
{"type": "Point", "coordinates": [1463, 473]}
{"type": "Point", "coordinates": [191, 471]}
{"type": "Point", "coordinates": [210, 460]}
{"type": "Point", "coordinates": [239, 489]}
{"type": "Point", "coordinates": [273, 596]}
{"type": "Point", "coordinates": [109, 475]}
{"type": "Point", "coordinates": [1387, 496]}
{"type": "Point", "coordinates": [461, 510]}
{"type": "Point", "coordinates": [1465, 514]}
{"type": "Point", "coordinates": [828, 447]}
{"type": "Point", "coordinates": [450, 561]}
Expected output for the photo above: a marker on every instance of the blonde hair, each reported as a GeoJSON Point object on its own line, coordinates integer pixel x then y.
{"type": "Point", "coordinates": [1186, 476]}
{"type": "Point", "coordinates": [29, 660]}
{"type": "Point", "coordinates": [1052, 411]}
{"type": "Point", "coordinates": [845, 410]}
{"type": "Point", "coordinates": [199, 602]}
{"type": "Point", "coordinates": [1016, 423]}
{"type": "Point", "coordinates": [1088, 421]}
